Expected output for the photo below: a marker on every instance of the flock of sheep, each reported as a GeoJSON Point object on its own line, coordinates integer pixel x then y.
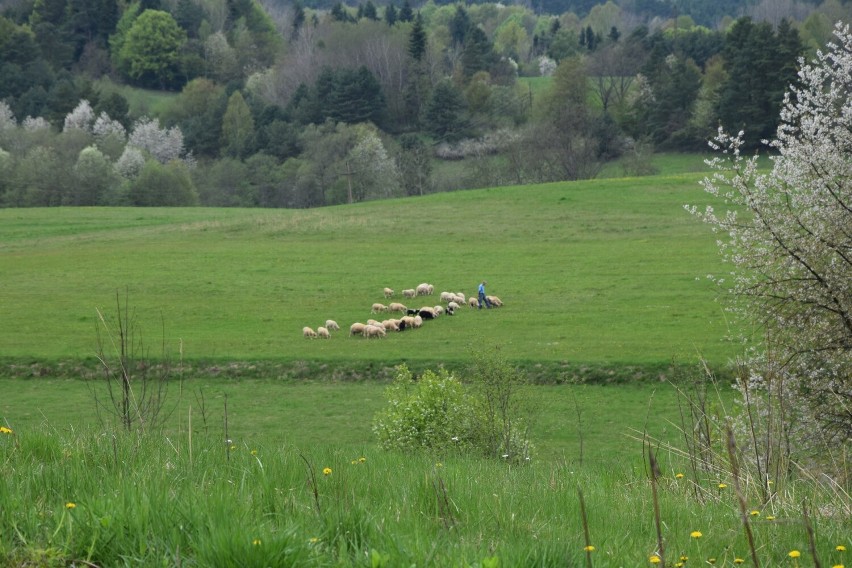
{"type": "Point", "coordinates": [409, 319]}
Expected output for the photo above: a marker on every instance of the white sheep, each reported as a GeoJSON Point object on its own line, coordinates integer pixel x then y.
{"type": "Point", "coordinates": [308, 332]}
{"type": "Point", "coordinates": [447, 296]}
{"type": "Point", "coordinates": [391, 325]}
{"type": "Point", "coordinates": [397, 307]}
{"type": "Point", "coordinates": [408, 321]}
{"type": "Point", "coordinates": [371, 331]}
{"type": "Point", "coordinates": [356, 329]}
{"type": "Point", "coordinates": [378, 308]}
{"type": "Point", "coordinates": [323, 333]}
{"type": "Point", "coordinates": [452, 306]}
{"type": "Point", "coordinates": [439, 310]}
{"type": "Point", "coordinates": [495, 301]}
{"type": "Point", "coordinates": [422, 289]}
{"type": "Point", "coordinates": [460, 298]}
{"type": "Point", "coordinates": [418, 321]}
{"type": "Point", "coordinates": [388, 292]}
{"type": "Point", "coordinates": [410, 293]}
{"type": "Point", "coordinates": [472, 302]}
{"type": "Point", "coordinates": [374, 322]}
{"type": "Point", "coordinates": [331, 324]}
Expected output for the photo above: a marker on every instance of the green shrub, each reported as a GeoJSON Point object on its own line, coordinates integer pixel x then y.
{"type": "Point", "coordinates": [433, 411]}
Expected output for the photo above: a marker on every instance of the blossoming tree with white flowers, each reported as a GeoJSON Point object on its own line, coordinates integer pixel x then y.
{"type": "Point", "coordinates": [787, 235]}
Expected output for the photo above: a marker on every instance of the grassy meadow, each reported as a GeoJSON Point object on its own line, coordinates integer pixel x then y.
{"type": "Point", "coordinates": [267, 457]}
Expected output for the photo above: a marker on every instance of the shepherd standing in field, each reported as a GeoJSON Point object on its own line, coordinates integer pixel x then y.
{"type": "Point", "coordinates": [482, 298]}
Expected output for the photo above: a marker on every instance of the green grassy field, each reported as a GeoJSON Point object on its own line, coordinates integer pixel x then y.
{"type": "Point", "coordinates": [599, 272]}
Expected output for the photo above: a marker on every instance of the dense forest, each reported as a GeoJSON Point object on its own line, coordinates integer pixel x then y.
{"type": "Point", "coordinates": [271, 104]}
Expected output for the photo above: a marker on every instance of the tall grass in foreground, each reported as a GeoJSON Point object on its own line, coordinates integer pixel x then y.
{"type": "Point", "coordinates": [97, 499]}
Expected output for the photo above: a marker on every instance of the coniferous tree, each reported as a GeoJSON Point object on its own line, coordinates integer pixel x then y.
{"type": "Point", "coordinates": [370, 11]}
{"type": "Point", "coordinates": [391, 15]}
{"type": "Point", "coordinates": [298, 17]}
{"type": "Point", "coordinates": [406, 13]}
{"type": "Point", "coordinates": [459, 26]}
{"type": "Point", "coordinates": [417, 39]}
{"type": "Point", "coordinates": [446, 113]}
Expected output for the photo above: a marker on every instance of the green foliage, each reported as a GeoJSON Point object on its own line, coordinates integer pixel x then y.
{"type": "Point", "coordinates": [150, 52]}
{"type": "Point", "coordinates": [237, 127]}
{"type": "Point", "coordinates": [445, 116]}
{"type": "Point", "coordinates": [431, 412]}
{"type": "Point", "coordinates": [167, 185]}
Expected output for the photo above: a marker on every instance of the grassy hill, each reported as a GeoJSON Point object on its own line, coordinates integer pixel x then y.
{"type": "Point", "coordinates": [596, 272]}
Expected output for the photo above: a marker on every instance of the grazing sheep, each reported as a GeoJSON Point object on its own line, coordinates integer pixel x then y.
{"type": "Point", "coordinates": [374, 322]}
{"type": "Point", "coordinates": [425, 289]}
{"type": "Point", "coordinates": [356, 329]}
{"type": "Point", "coordinates": [452, 306]}
{"type": "Point", "coordinates": [391, 325]}
{"type": "Point", "coordinates": [410, 293]}
{"type": "Point", "coordinates": [447, 296]}
{"type": "Point", "coordinates": [378, 308]}
{"type": "Point", "coordinates": [494, 301]}
{"type": "Point", "coordinates": [388, 292]}
{"type": "Point", "coordinates": [418, 321]}
{"type": "Point", "coordinates": [439, 310]}
{"type": "Point", "coordinates": [460, 298]}
{"type": "Point", "coordinates": [308, 332]}
{"type": "Point", "coordinates": [472, 302]}
{"type": "Point", "coordinates": [323, 333]}
{"type": "Point", "coordinates": [427, 312]}
{"type": "Point", "coordinates": [396, 307]}
{"type": "Point", "coordinates": [331, 324]}
{"type": "Point", "coordinates": [371, 331]}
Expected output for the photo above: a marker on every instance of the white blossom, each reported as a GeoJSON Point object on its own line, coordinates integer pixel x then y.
{"type": "Point", "coordinates": [790, 241]}
{"type": "Point", "coordinates": [31, 124]}
{"type": "Point", "coordinates": [546, 66]}
{"type": "Point", "coordinates": [164, 145]}
{"type": "Point", "coordinates": [130, 163]}
{"type": "Point", "coordinates": [105, 126]}
{"type": "Point", "coordinates": [7, 118]}
{"type": "Point", "coordinates": [81, 117]}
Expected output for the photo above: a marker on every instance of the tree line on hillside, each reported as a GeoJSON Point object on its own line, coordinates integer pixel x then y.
{"type": "Point", "coordinates": [294, 107]}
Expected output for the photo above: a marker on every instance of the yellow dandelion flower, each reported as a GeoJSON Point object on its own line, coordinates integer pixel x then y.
{"type": "Point", "coordinates": [678, 564]}
{"type": "Point", "coordinates": [738, 560]}
{"type": "Point", "coordinates": [254, 452]}
{"type": "Point", "coordinates": [770, 518]}
{"type": "Point", "coordinates": [362, 459]}
{"type": "Point", "coordinates": [696, 534]}
{"type": "Point", "coordinates": [654, 559]}
{"type": "Point", "coordinates": [755, 513]}
{"type": "Point", "coordinates": [257, 542]}
{"type": "Point", "coordinates": [233, 448]}
{"type": "Point", "coordinates": [589, 548]}
{"type": "Point", "coordinates": [354, 462]}
{"type": "Point", "coordinates": [439, 464]}
{"type": "Point", "coordinates": [4, 430]}
{"type": "Point", "coordinates": [313, 540]}
{"type": "Point", "coordinates": [837, 566]}
{"type": "Point", "coordinates": [723, 485]}
{"type": "Point", "coordinates": [70, 505]}
{"type": "Point", "coordinates": [840, 548]}
{"type": "Point", "coordinates": [678, 476]}
{"type": "Point", "coordinates": [326, 471]}
{"type": "Point", "coordinates": [794, 554]}
{"type": "Point", "coordinates": [711, 560]}
{"type": "Point", "coordinates": [684, 558]}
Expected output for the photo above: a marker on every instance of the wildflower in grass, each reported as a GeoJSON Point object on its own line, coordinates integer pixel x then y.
{"type": "Point", "coordinates": [589, 548]}
{"type": "Point", "coordinates": [439, 464]}
{"type": "Point", "coordinates": [654, 559]}
{"type": "Point", "coordinates": [70, 505]}
{"type": "Point", "coordinates": [257, 542]}
{"type": "Point", "coordinates": [254, 452]}
{"type": "Point", "coordinates": [4, 430]}
{"type": "Point", "coordinates": [837, 566]}
{"type": "Point", "coordinates": [362, 459]}
{"type": "Point", "coordinates": [678, 476]}
{"type": "Point", "coordinates": [678, 564]}
{"type": "Point", "coordinates": [738, 560]}
{"type": "Point", "coordinates": [770, 518]}
{"type": "Point", "coordinates": [840, 548]}
{"type": "Point", "coordinates": [684, 558]}
{"type": "Point", "coordinates": [696, 534]}
{"type": "Point", "coordinates": [313, 540]}
{"type": "Point", "coordinates": [755, 513]}
{"type": "Point", "coordinates": [794, 554]}
{"type": "Point", "coordinates": [233, 448]}
{"type": "Point", "coordinates": [711, 560]}
{"type": "Point", "coordinates": [326, 471]}
{"type": "Point", "coordinates": [723, 485]}
{"type": "Point", "coordinates": [354, 462]}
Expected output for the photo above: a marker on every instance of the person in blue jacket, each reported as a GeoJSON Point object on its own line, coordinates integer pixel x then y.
{"type": "Point", "coordinates": [483, 299]}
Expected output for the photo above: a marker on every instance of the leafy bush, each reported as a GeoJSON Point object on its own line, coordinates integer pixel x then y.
{"type": "Point", "coordinates": [432, 411]}
{"type": "Point", "coordinates": [437, 412]}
